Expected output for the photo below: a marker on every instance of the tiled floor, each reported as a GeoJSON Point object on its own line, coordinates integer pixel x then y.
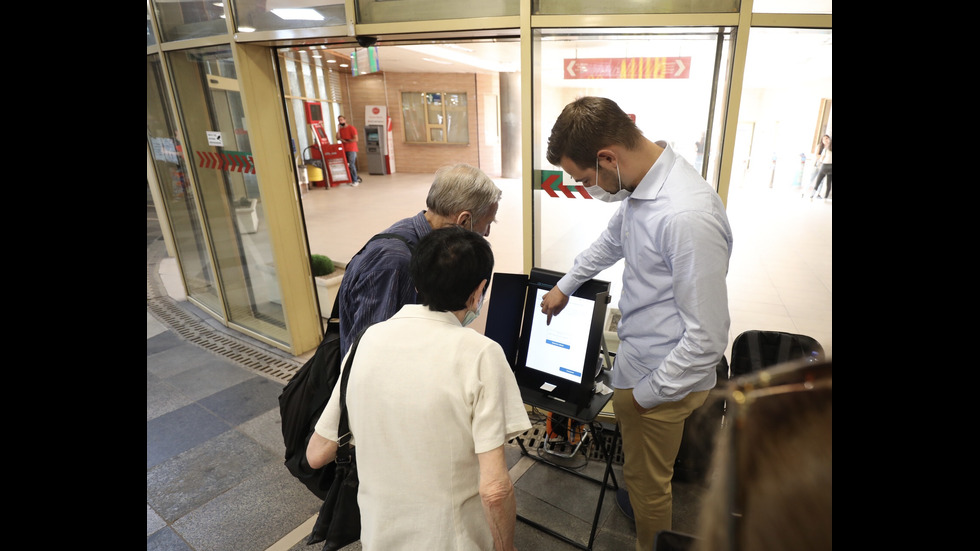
{"type": "Point", "coordinates": [215, 479]}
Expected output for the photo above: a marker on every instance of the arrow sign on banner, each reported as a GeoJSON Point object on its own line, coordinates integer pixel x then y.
{"type": "Point", "coordinates": [628, 67]}
{"type": "Point", "coordinates": [229, 161]}
{"type": "Point", "coordinates": [550, 181]}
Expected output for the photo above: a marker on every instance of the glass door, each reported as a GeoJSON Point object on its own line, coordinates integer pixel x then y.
{"type": "Point", "coordinates": [670, 80]}
{"type": "Point", "coordinates": [230, 204]}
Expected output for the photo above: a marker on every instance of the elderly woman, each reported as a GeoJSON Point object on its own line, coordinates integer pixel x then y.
{"type": "Point", "coordinates": [431, 404]}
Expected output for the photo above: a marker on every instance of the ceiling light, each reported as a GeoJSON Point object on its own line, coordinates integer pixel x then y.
{"type": "Point", "coordinates": [246, 29]}
{"type": "Point", "coordinates": [331, 61]}
{"type": "Point", "coordinates": [298, 14]}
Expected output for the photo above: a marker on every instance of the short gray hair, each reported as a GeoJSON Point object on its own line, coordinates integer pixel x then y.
{"type": "Point", "coordinates": [462, 187]}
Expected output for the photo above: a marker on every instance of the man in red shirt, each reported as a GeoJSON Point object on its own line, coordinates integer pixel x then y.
{"type": "Point", "coordinates": [347, 135]}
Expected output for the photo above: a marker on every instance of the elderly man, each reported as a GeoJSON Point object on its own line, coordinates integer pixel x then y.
{"type": "Point", "coordinates": [376, 283]}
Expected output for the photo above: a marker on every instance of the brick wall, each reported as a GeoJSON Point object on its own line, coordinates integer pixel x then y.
{"type": "Point", "coordinates": [386, 89]}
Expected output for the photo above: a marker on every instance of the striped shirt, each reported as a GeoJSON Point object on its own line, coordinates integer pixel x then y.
{"type": "Point", "coordinates": [376, 281]}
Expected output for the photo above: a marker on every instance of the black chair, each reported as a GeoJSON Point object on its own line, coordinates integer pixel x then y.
{"type": "Point", "coordinates": [669, 540]}
{"type": "Point", "coordinates": [752, 351]}
{"type": "Point", "coordinates": [756, 349]}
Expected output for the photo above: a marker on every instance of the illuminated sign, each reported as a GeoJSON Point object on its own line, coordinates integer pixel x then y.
{"type": "Point", "coordinates": [628, 67]}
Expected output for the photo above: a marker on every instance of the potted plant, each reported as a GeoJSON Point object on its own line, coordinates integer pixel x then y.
{"type": "Point", "coordinates": [248, 220]}
{"type": "Point", "coordinates": [328, 275]}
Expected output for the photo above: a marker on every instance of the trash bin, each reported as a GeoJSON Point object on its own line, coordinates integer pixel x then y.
{"type": "Point", "coordinates": [315, 174]}
{"type": "Point", "coordinates": [314, 166]}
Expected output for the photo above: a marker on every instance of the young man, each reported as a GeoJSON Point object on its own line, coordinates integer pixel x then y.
{"type": "Point", "coordinates": [347, 135]}
{"type": "Point", "coordinates": [440, 480]}
{"type": "Point", "coordinates": [673, 232]}
{"type": "Point", "coordinates": [376, 282]}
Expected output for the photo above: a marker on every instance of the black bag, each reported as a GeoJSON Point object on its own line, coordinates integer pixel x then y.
{"type": "Point", "coordinates": [754, 350]}
{"type": "Point", "coordinates": [304, 397]}
{"type": "Point", "coordinates": [301, 403]}
{"type": "Point", "coordinates": [339, 521]}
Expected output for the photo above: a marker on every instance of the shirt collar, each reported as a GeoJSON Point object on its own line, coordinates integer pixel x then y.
{"type": "Point", "coordinates": [419, 311]}
{"type": "Point", "coordinates": [421, 225]}
{"type": "Point", "coordinates": [651, 184]}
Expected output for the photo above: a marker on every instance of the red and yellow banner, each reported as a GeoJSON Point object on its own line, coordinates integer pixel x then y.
{"type": "Point", "coordinates": [628, 67]}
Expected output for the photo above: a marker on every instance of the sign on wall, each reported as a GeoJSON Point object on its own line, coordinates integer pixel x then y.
{"type": "Point", "coordinates": [375, 114]}
{"type": "Point", "coordinates": [215, 139]}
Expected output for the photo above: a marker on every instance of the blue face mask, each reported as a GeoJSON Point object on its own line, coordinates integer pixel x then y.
{"type": "Point", "coordinates": [470, 316]}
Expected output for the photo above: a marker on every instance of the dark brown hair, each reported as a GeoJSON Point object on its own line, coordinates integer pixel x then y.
{"type": "Point", "coordinates": [587, 125]}
{"type": "Point", "coordinates": [447, 265]}
{"type": "Point", "coordinates": [830, 144]}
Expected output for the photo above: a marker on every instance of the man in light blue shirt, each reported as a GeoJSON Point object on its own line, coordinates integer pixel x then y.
{"type": "Point", "coordinates": [672, 230]}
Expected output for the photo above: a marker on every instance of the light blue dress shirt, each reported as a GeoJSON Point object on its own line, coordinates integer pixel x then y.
{"type": "Point", "coordinates": [674, 235]}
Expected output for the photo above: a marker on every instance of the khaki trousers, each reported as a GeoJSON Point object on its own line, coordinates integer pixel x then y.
{"type": "Point", "coordinates": [650, 445]}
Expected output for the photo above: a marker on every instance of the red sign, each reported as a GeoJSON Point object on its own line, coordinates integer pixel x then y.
{"type": "Point", "coordinates": [228, 161]}
{"type": "Point", "coordinates": [628, 67]}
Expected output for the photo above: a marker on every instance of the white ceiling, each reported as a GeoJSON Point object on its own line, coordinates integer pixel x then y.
{"type": "Point", "coordinates": [460, 57]}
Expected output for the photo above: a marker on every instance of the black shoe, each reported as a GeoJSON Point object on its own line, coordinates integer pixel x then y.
{"type": "Point", "coordinates": [623, 501]}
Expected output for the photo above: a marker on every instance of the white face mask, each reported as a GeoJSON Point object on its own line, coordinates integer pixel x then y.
{"type": "Point", "coordinates": [598, 193]}
{"type": "Point", "coordinates": [470, 316]}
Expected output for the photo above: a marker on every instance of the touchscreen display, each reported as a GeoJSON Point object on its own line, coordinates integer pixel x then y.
{"type": "Point", "coordinates": [559, 349]}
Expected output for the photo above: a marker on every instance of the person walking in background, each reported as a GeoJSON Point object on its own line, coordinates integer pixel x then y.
{"type": "Point", "coordinates": [825, 166]}
{"type": "Point", "coordinates": [440, 481]}
{"type": "Point", "coordinates": [672, 230]}
{"type": "Point", "coordinates": [347, 135]}
{"type": "Point", "coordinates": [699, 156]}
{"type": "Point", "coordinates": [376, 282]}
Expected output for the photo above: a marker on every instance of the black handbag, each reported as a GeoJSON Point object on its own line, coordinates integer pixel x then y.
{"type": "Point", "coordinates": [301, 403]}
{"type": "Point", "coordinates": [304, 397]}
{"type": "Point", "coordinates": [339, 521]}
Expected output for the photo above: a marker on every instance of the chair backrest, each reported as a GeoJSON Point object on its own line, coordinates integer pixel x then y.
{"type": "Point", "coordinates": [669, 540]}
{"type": "Point", "coordinates": [758, 349]}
